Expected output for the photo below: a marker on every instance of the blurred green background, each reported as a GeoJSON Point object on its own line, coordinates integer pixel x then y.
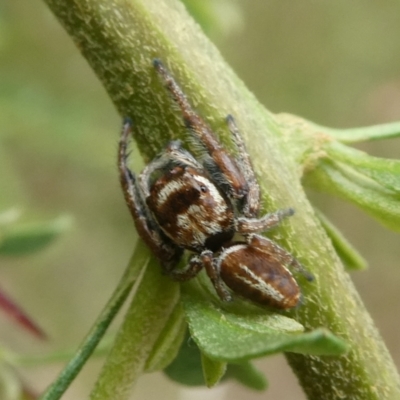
{"type": "Point", "coordinates": [336, 63]}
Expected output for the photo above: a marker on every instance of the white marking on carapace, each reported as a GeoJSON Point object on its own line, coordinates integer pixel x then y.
{"type": "Point", "coordinates": [190, 230]}
{"type": "Point", "coordinates": [171, 187]}
{"type": "Point", "coordinates": [221, 206]}
{"type": "Point", "coordinates": [193, 223]}
{"type": "Point", "coordinates": [199, 214]}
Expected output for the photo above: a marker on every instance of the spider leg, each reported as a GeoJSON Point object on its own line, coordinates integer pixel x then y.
{"type": "Point", "coordinates": [251, 203]}
{"type": "Point", "coordinates": [196, 264]}
{"type": "Point", "coordinates": [211, 267]}
{"type": "Point", "coordinates": [280, 254]}
{"type": "Point", "coordinates": [247, 226]}
{"type": "Point", "coordinates": [165, 251]}
{"type": "Point", "coordinates": [227, 171]}
{"type": "Point", "coordinates": [192, 269]}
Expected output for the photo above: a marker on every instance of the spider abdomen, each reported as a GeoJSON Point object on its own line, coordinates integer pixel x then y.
{"type": "Point", "coordinates": [191, 210]}
{"type": "Point", "coordinates": [255, 274]}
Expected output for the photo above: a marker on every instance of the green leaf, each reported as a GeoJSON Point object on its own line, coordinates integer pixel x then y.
{"type": "Point", "coordinates": [169, 342]}
{"type": "Point", "coordinates": [22, 239]}
{"type": "Point", "coordinates": [346, 182]}
{"type": "Point", "coordinates": [351, 135]}
{"type": "Point", "coordinates": [216, 17]}
{"type": "Point", "coordinates": [385, 172]}
{"type": "Point", "coordinates": [10, 385]}
{"type": "Point", "coordinates": [213, 370]}
{"type": "Point", "coordinates": [350, 257]}
{"type": "Point", "coordinates": [233, 336]}
{"type": "Point", "coordinates": [354, 135]}
{"type": "Point", "coordinates": [372, 183]}
{"type": "Point", "coordinates": [9, 216]}
{"type": "Point", "coordinates": [248, 375]}
{"type": "Point", "coordinates": [186, 368]}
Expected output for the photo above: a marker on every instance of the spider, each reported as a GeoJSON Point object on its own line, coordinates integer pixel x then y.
{"type": "Point", "coordinates": [180, 203]}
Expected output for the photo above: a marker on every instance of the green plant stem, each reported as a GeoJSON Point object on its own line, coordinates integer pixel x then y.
{"type": "Point", "coordinates": [119, 39]}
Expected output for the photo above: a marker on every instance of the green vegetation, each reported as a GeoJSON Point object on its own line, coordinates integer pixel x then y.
{"type": "Point", "coordinates": [330, 339]}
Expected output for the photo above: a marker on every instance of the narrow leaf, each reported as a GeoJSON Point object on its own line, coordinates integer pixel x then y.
{"type": "Point", "coordinates": [342, 180]}
{"type": "Point", "coordinates": [168, 344]}
{"type": "Point", "coordinates": [385, 172]}
{"type": "Point", "coordinates": [216, 17]}
{"type": "Point", "coordinates": [186, 368]}
{"type": "Point", "coordinates": [10, 385]}
{"type": "Point", "coordinates": [213, 370]}
{"type": "Point", "coordinates": [354, 135]}
{"type": "Point", "coordinates": [350, 257]}
{"type": "Point", "coordinates": [9, 216]}
{"type": "Point", "coordinates": [18, 315]}
{"type": "Point", "coordinates": [22, 239]}
{"type": "Point", "coordinates": [248, 375]}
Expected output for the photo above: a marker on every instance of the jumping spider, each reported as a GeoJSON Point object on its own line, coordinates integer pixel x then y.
{"type": "Point", "coordinates": [179, 203]}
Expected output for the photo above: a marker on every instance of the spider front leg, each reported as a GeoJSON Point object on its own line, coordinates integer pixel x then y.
{"type": "Point", "coordinates": [192, 269]}
{"type": "Point", "coordinates": [251, 202]}
{"type": "Point", "coordinates": [222, 165]}
{"type": "Point", "coordinates": [166, 252]}
{"type": "Point", "coordinates": [196, 264]}
{"type": "Point", "coordinates": [246, 226]}
{"type": "Point", "coordinates": [211, 267]}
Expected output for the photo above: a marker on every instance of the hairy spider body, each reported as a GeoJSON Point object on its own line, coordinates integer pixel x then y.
{"type": "Point", "coordinates": [179, 203]}
{"type": "Point", "coordinates": [191, 210]}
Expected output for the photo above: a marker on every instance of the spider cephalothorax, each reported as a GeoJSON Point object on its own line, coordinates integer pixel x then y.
{"type": "Point", "coordinates": [179, 203]}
